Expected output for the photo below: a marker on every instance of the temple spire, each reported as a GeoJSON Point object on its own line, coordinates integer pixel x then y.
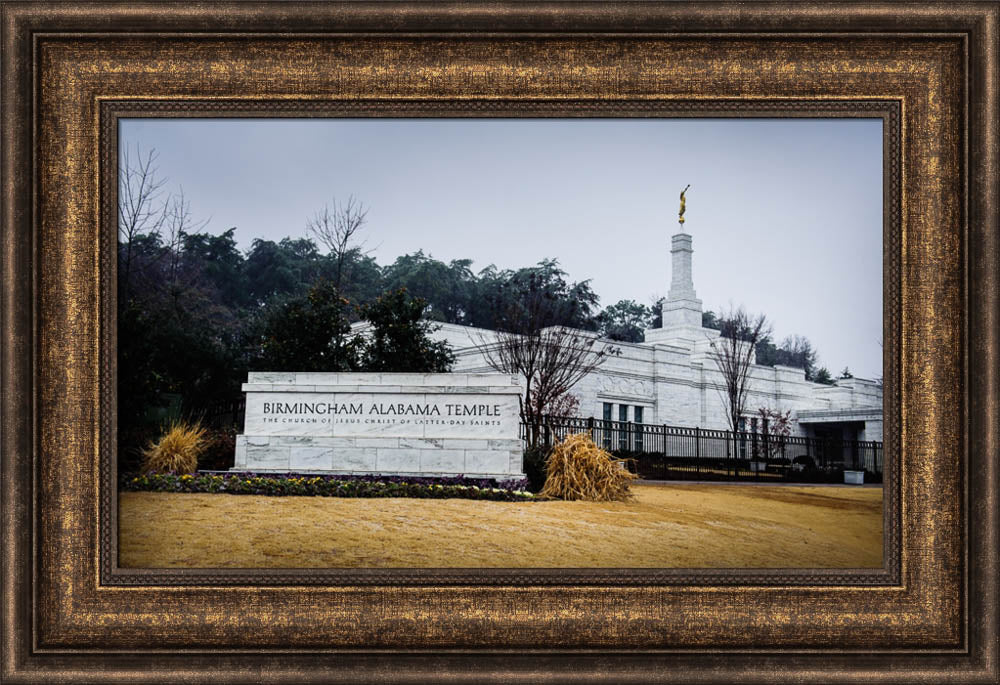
{"type": "Point", "coordinates": [681, 279]}
{"type": "Point", "coordinates": [682, 306]}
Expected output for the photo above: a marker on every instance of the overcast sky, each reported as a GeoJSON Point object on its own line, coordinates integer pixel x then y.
{"type": "Point", "coordinates": [786, 215]}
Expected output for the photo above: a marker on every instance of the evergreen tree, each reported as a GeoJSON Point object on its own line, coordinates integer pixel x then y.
{"type": "Point", "coordinates": [446, 288]}
{"type": "Point", "coordinates": [310, 333]}
{"type": "Point", "coordinates": [710, 320]}
{"type": "Point", "coordinates": [656, 313]}
{"type": "Point", "coordinates": [624, 321]}
{"type": "Point", "coordinates": [399, 339]}
{"type": "Point", "coordinates": [286, 268]}
{"type": "Point", "coordinates": [823, 376]}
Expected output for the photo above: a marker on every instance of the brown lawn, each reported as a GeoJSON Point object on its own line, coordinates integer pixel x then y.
{"type": "Point", "coordinates": [665, 526]}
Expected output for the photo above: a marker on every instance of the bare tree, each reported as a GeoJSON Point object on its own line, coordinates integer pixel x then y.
{"type": "Point", "coordinates": [796, 350]}
{"type": "Point", "coordinates": [734, 353]}
{"type": "Point", "coordinates": [139, 209]}
{"type": "Point", "coordinates": [336, 226]}
{"type": "Point", "coordinates": [567, 405]}
{"type": "Point", "coordinates": [177, 222]}
{"type": "Point", "coordinates": [878, 378]}
{"type": "Point", "coordinates": [551, 358]}
{"type": "Point", "coordinates": [775, 429]}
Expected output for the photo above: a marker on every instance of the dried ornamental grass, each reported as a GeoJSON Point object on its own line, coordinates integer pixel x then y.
{"type": "Point", "coordinates": [177, 451]}
{"type": "Point", "coordinates": [580, 470]}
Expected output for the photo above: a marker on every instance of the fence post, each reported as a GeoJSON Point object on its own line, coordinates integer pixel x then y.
{"type": "Point", "coordinates": [697, 451]}
{"type": "Point", "coordinates": [766, 439]}
{"type": "Point", "coordinates": [734, 457]}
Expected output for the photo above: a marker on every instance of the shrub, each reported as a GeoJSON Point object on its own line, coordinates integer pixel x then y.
{"type": "Point", "coordinates": [132, 442]}
{"type": "Point", "coordinates": [535, 459]}
{"type": "Point", "coordinates": [873, 477]}
{"type": "Point", "coordinates": [177, 451]}
{"type": "Point", "coordinates": [805, 462]}
{"type": "Point", "coordinates": [580, 470]}
{"type": "Point", "coordinates": [220, 449]}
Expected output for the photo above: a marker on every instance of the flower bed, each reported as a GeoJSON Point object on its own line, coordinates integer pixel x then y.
{"type": "Point", "coordinates": [330, 486]}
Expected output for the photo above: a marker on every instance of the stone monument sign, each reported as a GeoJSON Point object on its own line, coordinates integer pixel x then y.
{"type": "Point", "coordinates": [413, 424]}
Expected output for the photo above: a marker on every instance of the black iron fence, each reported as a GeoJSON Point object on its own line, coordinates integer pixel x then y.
{"type": "Point", "coordinates": [226, 414]}
{"type": "Point", "coordinates": [661, 452]}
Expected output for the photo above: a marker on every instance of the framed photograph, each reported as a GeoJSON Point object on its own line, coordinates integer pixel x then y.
{"type": "Point", "coordinates": [395, 341]}
{"type": "Point", "coordinates": [285, 356]}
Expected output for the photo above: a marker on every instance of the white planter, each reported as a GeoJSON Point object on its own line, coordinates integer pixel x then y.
{"type": "Point", "coordinates": [854, 477]}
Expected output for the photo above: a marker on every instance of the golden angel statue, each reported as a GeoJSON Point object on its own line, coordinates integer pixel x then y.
{"type": "Point", "coordinates": [680, 216]}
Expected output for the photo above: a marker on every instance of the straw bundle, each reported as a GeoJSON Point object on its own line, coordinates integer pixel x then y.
{"type": "Point", "coordinates": [177, 451]}
{"type": "Point", "coordinates": [580, 470]}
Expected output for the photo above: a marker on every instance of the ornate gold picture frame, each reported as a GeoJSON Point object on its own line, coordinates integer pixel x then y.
{"type": "Point", "coordinates": [928, 70]}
